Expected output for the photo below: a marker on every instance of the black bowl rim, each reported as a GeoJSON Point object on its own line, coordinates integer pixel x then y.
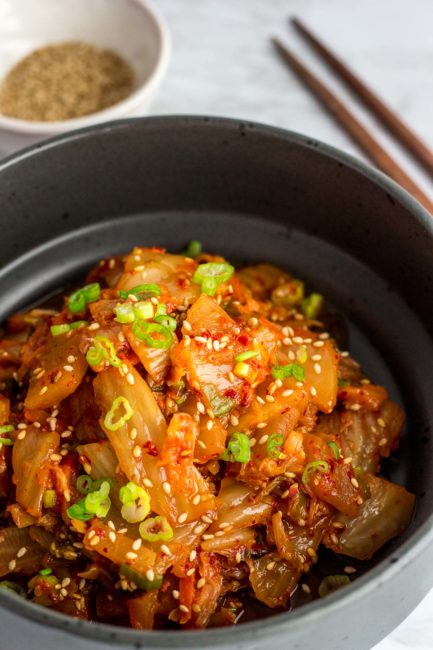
{"type": "Point", "coordinates": [281, 623]}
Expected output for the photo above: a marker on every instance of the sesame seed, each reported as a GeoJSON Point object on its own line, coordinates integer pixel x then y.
{"type": "Point", "coordinates": [317, 369]}
{"type": "Point", "coordinates": [66, 582]}
{"type": "Point", "coordinates": [136, 452]}
{"type": "Point", "coordinates": [68, 368]}
{"type": "Point", "coordinates": [299, 384]}
{"type": "Point", "coordinates": [318, 344]}
{"type": "Point", "coordinates": [192, 556]}
{"type": "Point", "coordinates": [298, 340]}
{"type": "Point", "coordinates": [82, 584]}
{"type": "Point", "coordinates": [133, 433]}
{"type": "Point", "coordinates": [305, 588]}
{"type": "Point", "coordinates": [238, 557]}
{"type": "Point", "coordinates": [198, 529]}
{"type": "Point", "coordinates": [347, 460]}
{"type": "Point", "coordinates": [206, 519]}
{"type": "Point", "coordinates": [354, 482]}
{"type": "Point", "coordinates": [355, 407]}
{"type": "Point", "coordinates": [148, 483]}
{"type": "Point", "coordinates": [234, 421]}
{"type": "Point", "coordinates": [287, 341]}
{"type": "Point", "coordinates": [381, 442]}
{"type": "Point", "coordinates": [291, 355]}
{"type": "Point", "coordinates": [302, 522]}
{"type": "Point", "coordinates": [270, 399]}
{"type": "Point", "coordinates": [190, 572]}
{"type": "Point", "coordinates": [381, 422]}
{"type": "Point", "coordinates": [43, 390]}
{"type": "Point", "coordinates": [91, 534]}
{"type": "Point", "coordinates": [316, 357]}
{"type": "Point", "coordinates": [12, 564]}
{"type": "Point", "coordinates": [184, 608]}
{"type": "Point", "coordinates": [262, 425]}
{"type": "Point", "coordinates": [166, 487]}
{"type": "Point", "coordinates": [260, 399]}
{"type": "Point", "coordinates": [196, 499]}
{"type": "Point", "coordinates": [22, 434]}
{"type": "Point", "coordinates": [196, 608]}
{"type": "Point", "coordinates": [270, 566]}
{"type": "Point", "coordinates": [175, 594]}
{"type": "Point", "coordinates": [22, 551]}
{"type": "Point", "coordinates": [311, 552]}
{"type": "Point", "coordinates": [201, 583]}
{"type": "Point", "coordinates": [201, 407]}
{"type": "Point", "coordinates": [136, 544]}
{"type": "Point", "coordinates": [287, 393]}
{"type": "Point", "coordinates": [122, 531]}
{"type": "Point", "coordinates": [130, 378]}
{"type": "Point", "coordinates": [22, 425]}
{"type": "Point", "coordinates": [150, 575]}
{"type": "Point", "coordinates": [334, 538]}
{"type": "Point", "coordinates": [263, 439]}
{"type": "Point", "coordinates": [313, 391]}
{"type": "Point", "coordinates": [165, 549]}
{"type": "Point", "coordinates": [324, 336]}
{"type": "Point", "coordinates": [216, 345]}
{"type": "Point", "coordinates": [187, 326]}
{"type": "Point", "coordinates": [344, 354]}
{"type": "Point", "coordinates": [253, 442]}
{"type": "Point", "coordinates": [112, 536]}
{"type": "Point", "coordinates": [55, 457]}
{"type": "Point", "coordinates": [207, 536]}
{"type": "Point", "coordinates": [349, 569]}
{"type": "Point", "coordinates": [95, 540]}
{"type": "Point", "coordinates": [253, 321]}
{"type": "Point", "coordinates": [63, 592]}
{"type": "Point", "coordinates": [338, 524]}
{"type": "Point", "coordinates": [285, 494]}
{"type": "Point", "coordinates": [182, 517]}
{"type": "Point", "coordinates": [94, 326]}
{"type": "Point", "coordinates": [131, 555]}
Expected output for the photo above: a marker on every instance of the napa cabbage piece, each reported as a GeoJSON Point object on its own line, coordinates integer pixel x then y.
{"type": "Point", "coordinates": [32, 465]}
{"type": "Point", "coordinates": [241, 506]}
{"type": "Point", "coordinates": [383, 516]}
{"type": "Point", "coordinates": [11, 541]}
{"type": "Point", "coordinates": [56, 383]}
{"type": "Point", "coordinates": [142, 610]}
{"type": "Point", "coordinates": [149, 428]}
{"type": "Point", "coordinates": [156, 361]}
{"type": "Point", "coordinates": [173, 273]}
{"type": "Point", "coordinates": [97, 538]}
{"type": "Point", "coordinates": [273, 586]}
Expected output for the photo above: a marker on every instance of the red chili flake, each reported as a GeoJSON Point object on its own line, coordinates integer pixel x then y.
{"type": "Point", "coordinates": [100, 532]}
{"type": "Point", "coordinates": [230, 392]}
{"type": "Point", "coordinates": [150, 448]}
{"type": "Point", "coordinates": [243, 338]}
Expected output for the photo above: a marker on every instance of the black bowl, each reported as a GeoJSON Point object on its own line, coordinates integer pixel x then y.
{"type": "Point", "coordinates": [254, 193]}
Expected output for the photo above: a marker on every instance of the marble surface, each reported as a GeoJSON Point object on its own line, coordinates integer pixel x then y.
{"type": "Point", "coordinates": [223, 64]}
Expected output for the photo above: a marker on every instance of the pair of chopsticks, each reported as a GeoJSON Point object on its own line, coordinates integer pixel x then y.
{"type": "Point", "coordinates": [371, 147]}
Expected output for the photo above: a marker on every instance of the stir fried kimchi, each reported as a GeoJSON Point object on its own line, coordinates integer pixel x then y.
{"type": "Point", "coordinates": [181, 437]}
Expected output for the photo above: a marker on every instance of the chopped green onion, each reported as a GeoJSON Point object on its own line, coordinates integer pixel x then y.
{"type": "Point", "coordinates": [193, 249]}
{"type": "Point", "coordinates": [142, 290]}
{"type": "Point", "coordinates": [161, 309]}
{"type": "Point", "coordinates": [102, 348]}
{"type": "Point", "coordinates": [238, 448]}
{"type": "Point", "coordinates": [146, 332]}
{"type": "Point", "coordinates": [289, 370]}
{"type": "Point", "coordinates": [332, 583]}
{"type": "Point", "coordinates": [84, 484]}
{"type": "Point", "coordinates": [209, 276]}
{"type": "Point", "coordinates": [315, 466]}
{"type": "Point", "coordinates": [45, 572]}
{"type": "Point", "coordinates": [274, 444]}
{"type": "Point", "coordinates": [219, 404]}
{"type": "Point", "coordinates": [144, 309]}
{"type": "Point", "coordinates": [136, 502]}
{"type": "Point", "coordinates": [109, 419]}
{"type": "Point", "coordinates": [312, 306]}
{"type": "Point", "coordinates": [77, 323]}
{"type": "Point", "coordinates": [16, 588]}
{"type": "Point", "coordinates": [98, 502]}
{"type": "Point", "coordinates": [167, 321]}
{"type": "Point", "coordinates": [343, 382]}
{"type": "Point", "coordinates": [334, 448]}
{"type": "Point", "coordinates": [99, 481]}
{"type": "Point", "coordinates": [78, 300]}
{"type": "Point", "coordinates": [49, 499]}
{"type": "Point", "coordinates": [139, 579]}
{"type": "Point", "coordinates": [56, 330]}
{"type": "Point", "coordinates": [248, 354]}
{"type": "Point", "coordinates": [124, 313]}
{"type": "Point", "coordinates": [301, 354]}
{"type": "Point", "coordinates": [156, 529]}
{"type": "Point", "coordinates": [78, 511]}
{"type": "Point", "coordinates": [7, 441]}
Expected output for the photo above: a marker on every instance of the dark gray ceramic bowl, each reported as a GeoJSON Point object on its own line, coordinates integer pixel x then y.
{"type": "Point", "coordinates": [255, 193]}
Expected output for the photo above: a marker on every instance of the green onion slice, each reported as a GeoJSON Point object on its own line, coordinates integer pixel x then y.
{"type": "Point", "coordinates": [144, 310]}
{"type": "Point", "coordinates": [124, 313]}
{"type": "Point", "coordinates": [193, 249]}
{"type": "Point", "coordinates": [110, 420]}
{"type": "Point", "coordinates": [238, 448]}
{"type": "Point", "coordinates": [312, 306]}
{"type": "Point", "coordinates": [139, 579]}
{"type": "Point", "coordinates": [49, 499]}
{"type": "Point", "coordinates": [156, 529]}
{"type": "Point", "coordinates": [136, 502]}
{"type": "Point", "coordinates": [45, 572]}
{"type": "Point", "coordinates": [209, 276]}
{"type": "Point", "coordinates": [153, 334]}
{"type": "Point", "coordinates": [102, 348]}
{"type": "Point", "coordinates": [84, 484]}
{"type": "Point", "coordinates": [78, 300]}
{"type": "Point", "coordinates": [274, 444]}
{"type": "Point", "coordinates": [334, 447]}
{"type": "Point", "coordinates": [220, 404]}
{"type": "Point", "coordinates": [78, 511]}
{"type": "Point", "coordinates": [167, 321]}
{"type": "Point", "coordinates": [248, 354]}
{"type": "Point", "coordinates": [98, 503]}
{"type": "Point", "coordinates": [142, 291]}
{"type": "Point", "coordinates": [289, 370]}
{"type": "Point", "coordinates": [332, 583]}
{"type": "Point", "coordinates": [56, 330]}
{"type": "Point", "coordinates": [315, 466]}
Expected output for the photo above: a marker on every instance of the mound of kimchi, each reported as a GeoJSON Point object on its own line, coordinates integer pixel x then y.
{"type": "Point", "coordinates": [181, 437]}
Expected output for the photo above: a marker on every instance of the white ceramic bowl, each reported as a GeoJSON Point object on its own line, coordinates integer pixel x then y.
{"type": "Point", "coordinates": [133, 28]}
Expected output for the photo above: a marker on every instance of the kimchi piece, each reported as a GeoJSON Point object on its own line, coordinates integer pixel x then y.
{"type": "Point", "coordinates": [180, 441]}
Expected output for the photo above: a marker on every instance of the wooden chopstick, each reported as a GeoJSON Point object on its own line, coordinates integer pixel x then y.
{"type": "Point", "coordinates": [354, 128]}
{"type": "Point", "coordinates": [389, 119]}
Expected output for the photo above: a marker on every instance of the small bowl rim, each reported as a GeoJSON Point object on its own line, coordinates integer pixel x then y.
{"type": "Point", "coordinates": [122, 108]}
{"type": "Point", "coordinates": [280, 623]}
